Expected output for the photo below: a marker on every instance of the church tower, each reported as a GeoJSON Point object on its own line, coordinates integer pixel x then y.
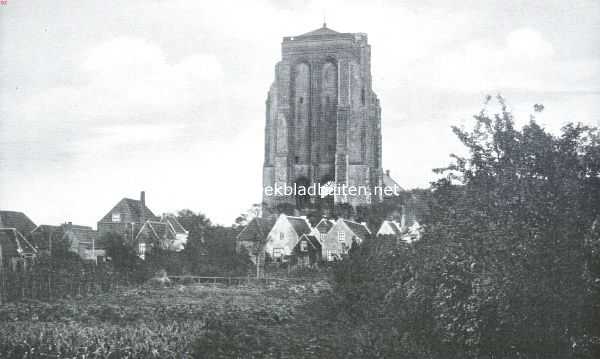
{"type": "Point", "coordinates": [323, 120]}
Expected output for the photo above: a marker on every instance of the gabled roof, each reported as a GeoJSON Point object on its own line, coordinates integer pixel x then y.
{"type": "Point", "coordinates": [360, 230]}
{"type": "Point", "coordinates": [300, 225]}
{"type": "Point", "coordinates": [389, 182]}
{"type": "Point", "coordinates": [14, 244]}
{"type": "Point", "coordinates": [174, 224]}
{"type": "Point", "coordinates": [257, 229]}
{"type": "Point", "coordinates": [395, 226]}
{"type": "Point", "coordinates": [17, 220]}
{"type": "Point", "coordinates": [131, 211]}
{"type": "Point", "coordinates": [322, 31]}
{"type": "Point", "coordinates": [324, 225]}
{"type": "Point", "coordinates": [312, 240]}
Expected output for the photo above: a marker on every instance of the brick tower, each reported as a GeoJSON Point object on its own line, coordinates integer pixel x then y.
{"type": "Point", "coordinates": [323, 120]}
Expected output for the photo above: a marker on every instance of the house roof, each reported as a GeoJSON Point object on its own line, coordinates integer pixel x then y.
{"type": "Point", "coordinates": [312, 240]}
{"type": "Point", "coordinates": [257, 229]}
{"type": "Point", "coordinates": [14, 244]}
{"type": "Point", "coordinates": [131, 209]}
{"type": "Point", "coordinates": [322, 31]}
{"type": "Point", "coordinates": [324, 225]}
{"type": "Point", "coordinates": [389, 182]}
{"type": "Point", "coordinates": [17, 220]}
{"type": "Point", "coordinates": [85, 236]}
{"type": "Point", "coordinates": [395, 226]}
{"type": "Point", "coordinates": [360, 230]}
{"type": "Point", "coordinates": [174, 224]}
{"type": "Point", "coordinates": [299, 224]}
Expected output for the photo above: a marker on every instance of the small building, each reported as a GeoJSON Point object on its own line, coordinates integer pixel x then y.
{"type": "Point", "coordinates": [284, 236]}
{"type": "Point", "coordinates": [341, 237]}
{"type": "Point", "coordinates": [167, 234]}
{"type": "Point", "coordinates": [253, 237]}
{"type": "Point", "coordinates": [307, 252]}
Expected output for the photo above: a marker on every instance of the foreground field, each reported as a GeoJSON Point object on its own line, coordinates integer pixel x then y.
{"type": "Point", "coordinates": [181, 322]}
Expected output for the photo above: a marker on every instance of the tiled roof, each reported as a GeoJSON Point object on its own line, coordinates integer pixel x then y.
{"type": "Point", "coordinates": [17, 220]}
{"type": "Point", "coordinates": [131, 210]}
{"type": "Point", "coordinates": [359, 230]}
{"type": "Point", "coordinates": [257, 229]}
{"type": "Point", "coordinates": [299, 224]}
{"type": "Point", "coordinates": [85, 236]}
{"type": "Point", "coordinates": [13, 243]}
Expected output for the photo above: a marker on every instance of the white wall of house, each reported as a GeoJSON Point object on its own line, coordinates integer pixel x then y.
{"type": "Point", "coordinates": [338, 241]}
{"type": "Point", "coordinates": [281, 239]}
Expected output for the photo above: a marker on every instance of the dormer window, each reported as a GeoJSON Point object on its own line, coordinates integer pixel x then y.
{"type": "Point", "coordinates": [116, 217]}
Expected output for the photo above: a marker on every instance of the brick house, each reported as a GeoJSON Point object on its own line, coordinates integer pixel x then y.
{"type": "Point", "coordinates": [341, 237]}
{"type": "Point", "coordinates": [138, 225]}
{"type": "Point", "coordinates": [284, 236]}
{"type": "Point", "coordinates": [307, 252]}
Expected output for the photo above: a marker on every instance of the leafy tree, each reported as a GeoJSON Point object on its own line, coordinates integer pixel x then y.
{"type": "Point", "coordinates": [506, 265]}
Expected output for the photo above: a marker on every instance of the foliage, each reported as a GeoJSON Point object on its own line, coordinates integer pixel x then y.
{"type": "Point", "coordinates": [506, 267]}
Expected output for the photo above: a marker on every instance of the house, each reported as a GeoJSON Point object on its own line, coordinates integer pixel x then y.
{"type": "Point", "coordinates": [307, 252]}
{"type": "Point", "coordinates": [16, 220]}
{"type": "Point", "coordinates": [82, 240]}
{"type": "Point", "coordinates": [16, 253]}
{"type": "Point", "coordinates": [322, 228]}
{"type": "Point", "coordinates": [253, 237]}
{"type": "Point", "coordinates": [284, 236]}
{"type": "Point", "coordinates": [126, 218]}
{"type": "Point", "coordinates": [15, 250]}
{"type": "Point", "coordinates": [341, 237]}
{"type": "Point", "coordinates": [138, 225]}
{"type": "Point", "coordinates": [167, 234]}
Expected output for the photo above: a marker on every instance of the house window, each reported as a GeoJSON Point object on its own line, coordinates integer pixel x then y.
{"type": "Point", "coordinates": [281, 236]}
{"type": "Point", "coordinates": [323, 236]}
{"type": "Point", "coordinates": [303, 247]}
{"type": "Point", "coordinates": [341, 236]}
{"type": "Point", "coordinates": [277, 253]}
{"type": "Point", "coordinates": [301, 100]}
{"type": "Point", "coordinates": [116, 217]}
{"type": "Point", "coordinates": [142, 250]}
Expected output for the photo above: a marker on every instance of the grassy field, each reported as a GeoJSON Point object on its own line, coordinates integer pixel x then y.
{"type": "Point", "coordinates": [276, 321]}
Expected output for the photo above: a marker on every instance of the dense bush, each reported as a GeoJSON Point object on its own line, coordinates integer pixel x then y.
{"type": "Point", "coordinates": [508, 265]}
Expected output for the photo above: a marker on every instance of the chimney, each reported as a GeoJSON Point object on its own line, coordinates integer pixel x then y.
{"type": "Point", "coordinates": [142, 207]}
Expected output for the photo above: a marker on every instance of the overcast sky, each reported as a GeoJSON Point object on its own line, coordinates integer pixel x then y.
{"type": "Point", "coordinates": [101, 99]}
